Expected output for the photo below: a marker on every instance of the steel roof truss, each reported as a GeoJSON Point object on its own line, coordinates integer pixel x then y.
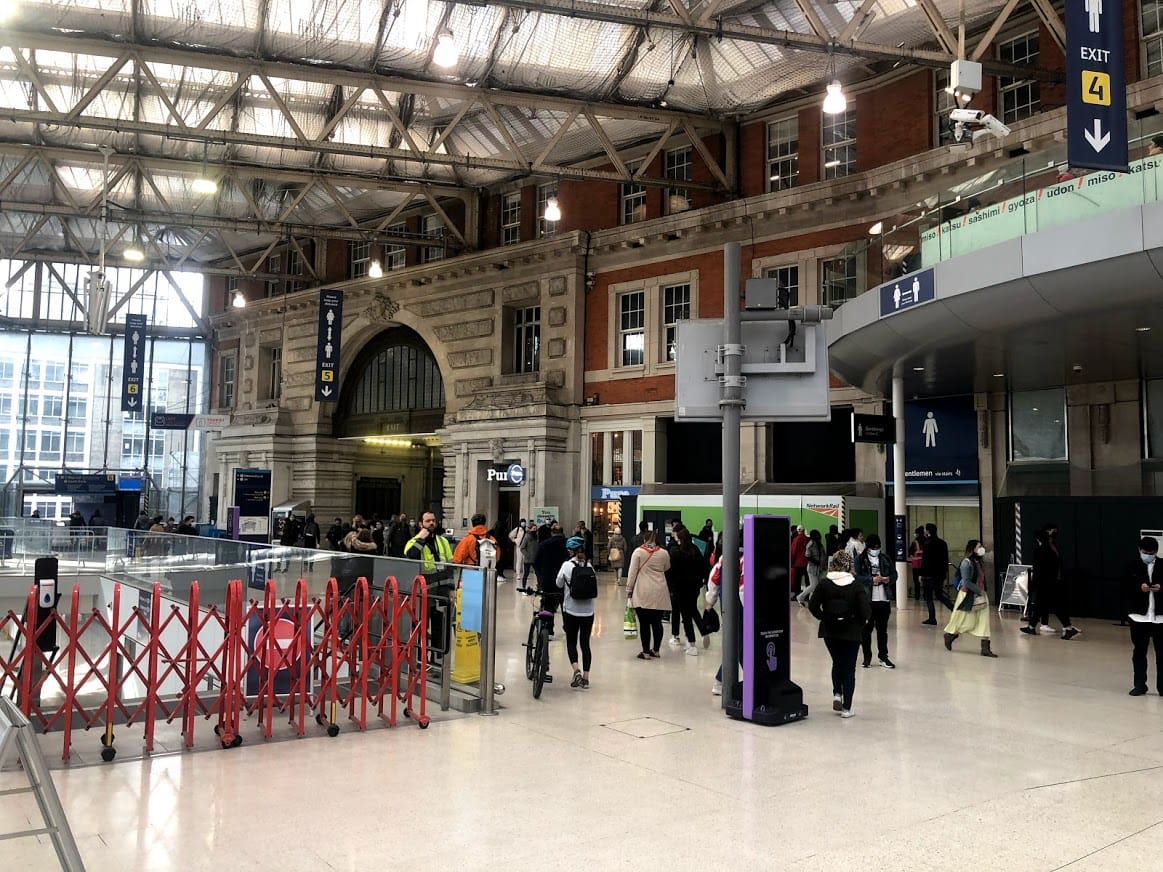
{"type": "Point", "coordinates": [937, 24]}
{"type": "Point", "coordinates": [395, 213]}
{"type": "Point", "coordinates": [303, 259]}
{"type": "Point", "coordinates": [712, 165]}
{"type": "Point", "coordinates": [282, 106]}
{"type": "Point", "coordinates": [202, 323]}
{"type": "Point", "coordinates": [1049, 16]}
{"type": "Point", "coordinates": [862, 16]}
{"type": "Point", "coordinates": [986, 41]}
{"type": "Point", "coordinates": [108, 76]}
{"type": "Point", "coordinates": [539, 161]}
{"type": "Point", "coordinates": [448, 225]}
{"type": "Point", "coordinates": [813, 18]}
{"type": "Point", "coordinates": [30, 70]}
{"type": "Point", "coordinates": [611, 151]}
{"type": "Point", "coordinates": [398, 123]}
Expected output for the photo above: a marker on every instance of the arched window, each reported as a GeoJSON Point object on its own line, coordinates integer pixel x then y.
{"type": "Point", "coordinates": [394, 386]}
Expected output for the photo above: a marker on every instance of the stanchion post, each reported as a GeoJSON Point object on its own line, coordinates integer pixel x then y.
{"type": "Point", "coordinates": [488, 633]}
{"type": "Point", "coordinates": [731, 405]}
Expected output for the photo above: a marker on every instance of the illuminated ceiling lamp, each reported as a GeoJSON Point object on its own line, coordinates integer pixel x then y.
{"type": "Point", "coordinates": [133, 252]}
{"type": "Point", "coordinates": [204, 183]}
{"type": "Point", "coordinates": [445, 55]}
{"type": "Point", "coordinates": [375, 270]}
{"type": "Point", "coordinates": [238, 301]}
{"type": "Point", "coordinates": [552, 210]}
{"type": "Point", "coordinates": [834, 100]}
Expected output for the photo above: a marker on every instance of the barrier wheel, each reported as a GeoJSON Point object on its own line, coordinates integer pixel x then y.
{"type": "Point", "coordinates": [108, 741]}
{"type": "Point", "coordinates": [218, 729]}
{"type": "Point", "coordinates": [233, 743]}
{"type": "Point", "coordinates": [333, 730]}
{"type": "Point", "coordinates": [424, 722]}
{"type": "Point", "coordinates": [407, 712]}
{"type": "Point", "coordinates": [320, 720]}
{"type": "Point", "coordinates": [108, 753]}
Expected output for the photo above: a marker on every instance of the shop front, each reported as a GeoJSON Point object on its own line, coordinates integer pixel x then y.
{"type": "Point", "coordinates": [606, 510]}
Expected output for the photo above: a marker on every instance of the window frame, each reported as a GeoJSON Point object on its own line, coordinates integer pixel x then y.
{"type": "Point", "coordinates": [510, 218]}
{"type": "Point", "coordinates": [1149, 39]}
{"type": "Point", "coordinates": [226, 396]}
{"type": "Point", "coordinates": [626, 330]}
{"type": "Point", "coordinates": [631, 198]}
{"type": "Point", "coordinates": [360, 259]}
{"type": "Point", "coordinates": [943, 104]}
{"type": "Point", "coordinates": [1011, 456]}
{"type": "Point", "coordinates": [791, 157]}
{"type": "Point", "coordinates": [545, 193]}
{"type": "Point", "coordinates": [433, 224]}
{"type": "Point", "coordinates": [669, 345]}
{"type": "Point", "coordinates": [396, 256]}
{"type": "Point", "coordinates": [654, 345]}
{"type": "Point", "coordinates": [854, 259]}
{"type": "Point", "coordinates": [773, 272]}
{"type": "Point", "coordinates": [522, 360]}
{"type": "Point", "coordinates": [840, 122]}
{"type": "Point", "coordinates": [678, 164]}
{"type": "Point", "coordinates": [1006, 85]}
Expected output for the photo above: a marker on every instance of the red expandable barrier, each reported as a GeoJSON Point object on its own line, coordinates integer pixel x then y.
{"type": "Point", "coordinates": [169, 663]}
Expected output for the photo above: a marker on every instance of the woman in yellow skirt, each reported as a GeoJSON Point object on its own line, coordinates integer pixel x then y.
{"type": "Point", "coordinates": [971, 609]}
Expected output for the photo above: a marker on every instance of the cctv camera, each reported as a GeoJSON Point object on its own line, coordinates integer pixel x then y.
{"type": "Point", "coordinates": [966, 116]}
{"type": "Point", "coordinates": [975, 124]}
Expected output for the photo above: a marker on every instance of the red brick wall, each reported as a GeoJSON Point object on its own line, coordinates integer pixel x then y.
{"type": "Point", "coordinates": [753, 159]}
{"type": "Point", "coordinates": [809, 124]}
{"type": "Point", "coordinates": [894, 122]}
{"type": "Point", "coordinates": [1050, 57]}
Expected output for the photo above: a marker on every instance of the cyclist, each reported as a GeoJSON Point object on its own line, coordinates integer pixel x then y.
{"type": "Point", "coordinates": [580, 583]}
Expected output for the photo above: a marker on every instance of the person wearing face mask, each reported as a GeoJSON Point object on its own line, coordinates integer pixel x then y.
{"type": "Point", "coordinates": [877, 573]}
{"type": "Point", "coordinates": [1144, 594]}
{"type": "Point", "coordinates": [971, 610]}
{"type": "Point", "coordinates": [934, 569]}
{"type": "Point", "coordinates": [1047, 586]}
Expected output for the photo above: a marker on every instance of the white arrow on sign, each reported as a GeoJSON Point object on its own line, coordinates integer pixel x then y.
{"type": "Point", "coordinates": [328, 334]}
{"type": "Point", "coordinates": [326, 391]}
{"type": "Point", "coordinates": [1098, 140]}
{"type": "Point", "coordinates": [131, 403]}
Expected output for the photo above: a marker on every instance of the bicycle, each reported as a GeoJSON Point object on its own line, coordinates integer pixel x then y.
{"type": "Point", "coordinates": [537, 645]}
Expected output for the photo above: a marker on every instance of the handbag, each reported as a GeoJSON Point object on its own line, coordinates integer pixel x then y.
{"type": "Point", "coordinates": [630, 623]}
{"type": "Point", "coordinates": [615, 555]}
{"type": "Point", "coordinates": [711, 621]}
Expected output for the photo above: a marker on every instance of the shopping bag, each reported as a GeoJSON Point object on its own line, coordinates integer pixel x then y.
{"type": "Point", "coordinates": [630, 624]}
{"type": "Point", "coordinates": [711, 620]}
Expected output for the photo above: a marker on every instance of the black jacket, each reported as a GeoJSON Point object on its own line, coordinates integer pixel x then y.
{"type": "Point", "coordinates": [550, 555]}
{"type": "Point", "coordinates": [935, 561]}
{"type": "Point", "coordinates": [1046, 570]}
{"type": "Point", "coordinates": [865, 571]}
{"type": "Point", "coordinates": [688, 572]}
{"type": "Point", "coordinates": [858, 603]}
{"type": "Point", "coordinates": [1134, 600]}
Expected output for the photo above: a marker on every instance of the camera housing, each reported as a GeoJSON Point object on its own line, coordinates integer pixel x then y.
{"type": "Point", "coordinates": [969, 125]}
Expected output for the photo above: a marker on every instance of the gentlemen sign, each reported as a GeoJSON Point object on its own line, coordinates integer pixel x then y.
{"type": "Point", "coordinates": [877, 429]}
{"type": "Point", "coordinates": [133, 366]}
{"type": "Point", "coordinates": [1096, 94]}
{"type": "Point", "coordinates": [327, 351]}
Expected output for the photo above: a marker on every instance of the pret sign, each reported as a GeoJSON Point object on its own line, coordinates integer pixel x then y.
{"type": "Point", "coordinates": [327, 350]}
{"type": "Point", "coordinates": [1096, 93]}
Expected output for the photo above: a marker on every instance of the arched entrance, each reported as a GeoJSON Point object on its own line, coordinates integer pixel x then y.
{"type": "Point", "coordinates": [390, 405]}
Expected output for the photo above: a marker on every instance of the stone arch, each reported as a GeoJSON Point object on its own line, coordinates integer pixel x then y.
{"type": "Point", "coordinates": [393, 385]}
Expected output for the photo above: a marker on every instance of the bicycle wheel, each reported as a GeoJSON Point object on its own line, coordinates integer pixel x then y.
{"type": "Point", "coordinates": [530, 648]}
{"type": "Point", "coordinates": [540, 661]}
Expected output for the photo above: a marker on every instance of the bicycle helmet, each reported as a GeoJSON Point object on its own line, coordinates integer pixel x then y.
{"type": "Point", "coordinates": [575, 543]}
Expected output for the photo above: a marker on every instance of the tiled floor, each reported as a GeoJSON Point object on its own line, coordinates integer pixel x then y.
{"type": "Point", "coordinates": [1035, 761]}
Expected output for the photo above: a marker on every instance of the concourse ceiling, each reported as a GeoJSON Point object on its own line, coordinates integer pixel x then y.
{"type": "Point", "coordinates": [330, 118]}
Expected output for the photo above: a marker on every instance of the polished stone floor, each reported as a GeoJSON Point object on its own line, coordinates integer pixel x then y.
{"type": "Point", "coordinates": [1035, 761]}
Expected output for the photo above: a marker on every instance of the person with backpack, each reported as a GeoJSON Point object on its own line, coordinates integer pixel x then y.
{"type": "Point", "coordinates": [842, 607]}
{"type": "Point", "coordinates": [310, 535]}
{"type": "Point", "coordinates": [877, 573]}
{"type": "Point", "coordinates": [580, 583]}
{"type": "Point", "coordinates": [647, 593]}
{"type": "Point", "coordinates": [971, 609]}
{"type": "Point", "coordinates": [468, 549]}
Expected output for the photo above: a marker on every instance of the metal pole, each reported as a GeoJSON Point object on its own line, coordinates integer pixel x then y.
{"type": "Point", "coordinates": [731, 404]}
{"type": "Point", "coordinates": [489, 634]}
{"type": "Point", "coordinates": [903, 571]}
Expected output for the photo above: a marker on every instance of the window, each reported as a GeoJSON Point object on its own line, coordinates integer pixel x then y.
{"type": "Point", "coordinates": [78, 410]}
{"type": "Point", "coordinates": [75, 447]}
{"type": "Point", "coordinates": [275, 266]}
{"type": "Point", "coordinates": [433, 229]}
{"type": "Point", "coordinates": [839, 144]}
{"type": "Point", "coordinates": [396, 256]}
{"type": "Point", "coordinates": [617, 457]}
{"type": "Point", "coordinates": [943, 104]}
{"type": "Point", "coordinates": [527, 339]}
{"type": "Point", "coordinates": [51, 408]}
{"type": "Point", "coordinates": [545, 193]}
{"type": "Point", "coordinates": [676, 306]}
{"type": "Point", "coordinates": [1020, 98]}
{"type": "Point", "coordinates": [783, 154]}
{"type": "Point", "coordinates": [597, 458]}
{"type": "Point", "coordinates": [361, 258]}
{"type": "Point", "coordinates": [7, 373]}
{"type": "Point", "coordinates": [839, 280]}
{"type": "Point", "coordinates": [79, 372]}
{"type": "Point", "coordinates": [228, 296]}
{"type": "Point", "coordinates": [295, 268]}
{"type": "Point", "coordinates": [273, 358]}
{"type": "Point", "coordinates": [50, 446]}
{"type": "Point", "coordinates": [632, 328]}
{"type": "Point", "coordinates": [636, 457]}
{"type": "Point", "coordinates": [5, 442]}
{"type": "Point", "coordinates": [1152, 19]}
{"type": "Point", "coordinates": [510, 218]}
{"type": "Point", "coordinates": [633, 198]}
{"type": "Point", "coordinates": [1038, 425]}
{"type": "Point", "coordinates": [6, 406]}
{"type": "Point", "coordinates": [788, 278]}
{"type": "Point", "coordinates": [678, 166]}
{"type": "Point", "coordinates": [227, 370]}
{"type": "Point", "coordinates": [54, 376]}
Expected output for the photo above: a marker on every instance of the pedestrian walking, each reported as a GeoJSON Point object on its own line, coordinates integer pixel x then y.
{"type": "Point", "coordinates": [842, 607]}
{"type": "Point", "coordinates": [971, 610]}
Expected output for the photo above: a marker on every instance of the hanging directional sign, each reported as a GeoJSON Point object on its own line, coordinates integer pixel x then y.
{"type": "Point", "coordinates": [133, 370]}
{"type": "Point", "coordinates": [1096, 93]}
{"type": "Point", "coordinates": [327, 351]}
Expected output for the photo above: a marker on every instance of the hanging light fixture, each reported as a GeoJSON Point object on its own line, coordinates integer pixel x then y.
{"type": "Point", "coordinates": [552, 210]}
{"type": "Point", "coordinates": [238, 301]}
{"type": "Point", "coordinates": [204, 184]}
{"type": "Point", "coordinates": [834, 100]}
{"type": "Point", "coordinates": [445, 54]}
{"type": "Point", "coordinates": [133, 252]}
{"type": "Point", "coordinates": [374, 270]}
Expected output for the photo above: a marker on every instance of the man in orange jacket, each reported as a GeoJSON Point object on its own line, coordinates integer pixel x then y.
{"type": "Point", "coordinates": [468, 549]}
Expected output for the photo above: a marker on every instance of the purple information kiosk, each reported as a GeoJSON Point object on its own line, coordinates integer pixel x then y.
{"type": "Point", "coordinates": [766, 695]}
